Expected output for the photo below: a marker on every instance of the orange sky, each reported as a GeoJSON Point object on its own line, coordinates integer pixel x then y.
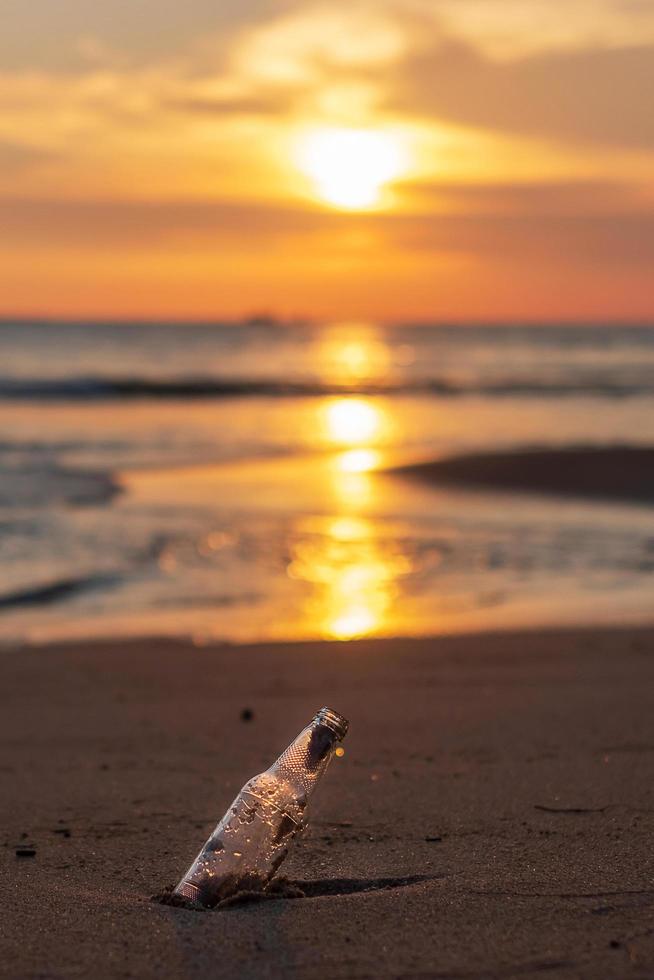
{"type": "Point", "coordinates": [390, 159]}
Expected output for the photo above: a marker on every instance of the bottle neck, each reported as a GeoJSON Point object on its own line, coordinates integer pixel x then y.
{"type": "Point", "coordinates": [305, 760]}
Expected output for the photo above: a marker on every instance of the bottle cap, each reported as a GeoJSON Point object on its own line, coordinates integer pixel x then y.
{"type": "Point", "coordinates": [338, 724]}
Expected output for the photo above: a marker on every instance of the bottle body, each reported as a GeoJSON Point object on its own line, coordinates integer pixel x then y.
{"type": "Point", "coordinates": [252, 839]}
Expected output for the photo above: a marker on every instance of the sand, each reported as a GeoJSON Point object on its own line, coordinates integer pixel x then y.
{"type": "Point", "coordinates": [493, 815]}
{"type": "Point", "coordinates": [596, 472]}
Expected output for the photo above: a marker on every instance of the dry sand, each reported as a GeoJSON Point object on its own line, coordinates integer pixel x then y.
{"type": "Point", "coordinates": [493, 816]}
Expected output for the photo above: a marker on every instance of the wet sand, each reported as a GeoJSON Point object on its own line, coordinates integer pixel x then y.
{"type": "Point", "coordinates": [493, 815]}
{"type": "Point", "coordinates": [604, 473]}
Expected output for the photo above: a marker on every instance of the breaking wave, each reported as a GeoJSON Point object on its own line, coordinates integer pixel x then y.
{"type": "Point", "coordinates": [118, 388]}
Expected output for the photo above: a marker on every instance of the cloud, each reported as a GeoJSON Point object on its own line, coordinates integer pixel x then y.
{"type": "Point", "coordinates": [283, 63]}
{"type": "Point", "coordinates": [520, 227]}
{"type": "Point", "coordinates": [64, 36]}
{"type": "Point", "coordinates": [307, 43]}
{"type": "Point", "coordinates": [435, 62]}
{"type": "Point", "coordinates": [137, 224]}
{"type": "Point", "coordinates": [595, 224]}
{"type": "Point", "coordinates": [20, 157]}
{"type": "Point", "coordinates": [506, 29]}
{"type": "Point", "coordinates": [600, 96]}
{"type": "Point", "coordinates": [59, 37]}
{"type": "Point", "coordinates": [604, 243]}
{"type": "Point", "coordinates": [261, 105]}
{"type": "Point", "coordinates": [570, 197]}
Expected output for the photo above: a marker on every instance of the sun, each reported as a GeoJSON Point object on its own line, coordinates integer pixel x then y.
{"type": "Point", "coordinates": [351, 166]}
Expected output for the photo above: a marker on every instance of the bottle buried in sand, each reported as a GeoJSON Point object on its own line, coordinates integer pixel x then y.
{"type": "Point", "coordinates": [252, 839]}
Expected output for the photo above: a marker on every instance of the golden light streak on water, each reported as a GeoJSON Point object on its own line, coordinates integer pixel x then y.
{"type": "Point", "coordinates": [352, 575]}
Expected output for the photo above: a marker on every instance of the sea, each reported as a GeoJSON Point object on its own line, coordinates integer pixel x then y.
{"type": "Point", "coordinates": [236, 482]}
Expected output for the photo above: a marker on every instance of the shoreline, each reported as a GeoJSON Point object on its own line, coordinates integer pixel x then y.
{"type": "Point", "coordinates": [496, 793]}
{"type": "Point", "coordinates": [585, 617]}
{"type": "Point", "coordinates": [101, 643]}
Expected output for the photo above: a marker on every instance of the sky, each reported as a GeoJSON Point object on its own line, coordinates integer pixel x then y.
{"type": "Point", "coordinates": [460, 160]}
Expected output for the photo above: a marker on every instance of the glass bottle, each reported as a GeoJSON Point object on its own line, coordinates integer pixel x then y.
{"type": "Point", "coordinates": [252, 839]}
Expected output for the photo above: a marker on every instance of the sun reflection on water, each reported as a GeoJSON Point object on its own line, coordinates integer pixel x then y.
{"type": "Point", "coordinates": [353, 354]}
{"type": "Point", "coordinates": [350, 569]}
{"type": "Point", "coordinates": [358, 461]}
{"type": "Point", "coordinates": [353, 574]}
{"type": "Point", "coordinates": [352, 421]}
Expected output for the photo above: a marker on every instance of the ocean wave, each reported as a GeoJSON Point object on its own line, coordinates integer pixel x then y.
{"type": "Point", "coordinates": [57, 591]}
{"type": "Point", "coordinates": [118, 388]}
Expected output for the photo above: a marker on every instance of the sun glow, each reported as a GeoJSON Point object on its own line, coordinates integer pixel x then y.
{"type": "Point", "coordinates": [352, 421]}
{"type": "Point", "coordinates": [351, 166]}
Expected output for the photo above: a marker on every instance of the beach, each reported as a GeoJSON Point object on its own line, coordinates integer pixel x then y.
{"type": "Point", "coordinates": [492, 815]}
{"type": "Point", "coordinates": [327, 450]}
{"type": "Point", "coordinates": [327, 415]}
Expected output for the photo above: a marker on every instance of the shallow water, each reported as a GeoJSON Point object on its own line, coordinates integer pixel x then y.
{"type": "Point", "coordinates": [253, 502]}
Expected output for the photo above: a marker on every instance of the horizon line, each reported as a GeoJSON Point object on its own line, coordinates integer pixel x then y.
{"type": "Point", "coordinates": [265, 319]}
